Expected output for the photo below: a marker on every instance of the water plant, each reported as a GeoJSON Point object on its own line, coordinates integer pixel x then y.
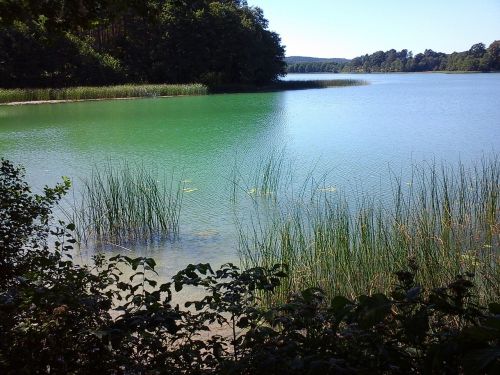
{"type": "Point", "coordinates": [123, 202]}
{"type": "Point", "coordinates": [114, 315]}
{"type": "Point", "coordinates": [158, 90]}
{"type": "Point", "coordinates": [100, 92]}
{"type": "Point", "coordinates": [289, 85]}
{"type": "Point", "coordinates": [445, 220]}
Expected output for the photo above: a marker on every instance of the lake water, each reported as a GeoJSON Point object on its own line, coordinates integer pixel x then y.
{"type": "Point", "coordinates": [360, 134]}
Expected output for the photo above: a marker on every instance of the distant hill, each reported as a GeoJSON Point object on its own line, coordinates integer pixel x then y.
{"type": "Point", "coordinates": [307, 59]}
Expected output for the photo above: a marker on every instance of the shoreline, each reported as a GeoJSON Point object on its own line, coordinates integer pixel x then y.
{"type": "Point", "coordinates": [226, 89]}
{"type": "Point", "coordinates": [424, 72]}
{"type": "Point", "coordinates": [62, 101]}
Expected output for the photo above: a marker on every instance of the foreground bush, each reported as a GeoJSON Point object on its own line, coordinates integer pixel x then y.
{"type": "Point", "coordinates": [59, 317]}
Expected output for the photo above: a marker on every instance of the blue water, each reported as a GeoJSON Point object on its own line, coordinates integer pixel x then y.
{"type": "Point", "coordinates": [359, 134]}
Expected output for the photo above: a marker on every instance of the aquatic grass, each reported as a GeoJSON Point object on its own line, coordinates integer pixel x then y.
{"type": "Point", "coordinates": [102, 92]}
{"type": "Point", "coordinates": [122, 203]}
{"type": "Point", "coordinates": [445, 221]}
{"type": "Point", "coordinates": [157, 90]}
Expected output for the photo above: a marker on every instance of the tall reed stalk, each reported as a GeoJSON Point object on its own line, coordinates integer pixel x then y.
{"type": "Point", "coordinates": [445, 221]}
{"type": "Point", "coordinates": [121, 203]}
{"type": "Point", "coordinates": [100, 92]}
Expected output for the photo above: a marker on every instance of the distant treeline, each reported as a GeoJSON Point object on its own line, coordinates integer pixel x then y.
{"type": "Point", "coordinates": [306, 59]}
{"type": "Point", "coordinates": [477, 59]}
{"type": "Point", "coordinates": [62, 43]}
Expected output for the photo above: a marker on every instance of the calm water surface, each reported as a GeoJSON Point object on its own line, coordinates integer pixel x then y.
{"type": "Point", "coordinates": [359, 134]}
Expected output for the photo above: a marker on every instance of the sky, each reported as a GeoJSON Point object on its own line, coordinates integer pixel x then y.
{"type": "Point", "coordinates": [348, 28]}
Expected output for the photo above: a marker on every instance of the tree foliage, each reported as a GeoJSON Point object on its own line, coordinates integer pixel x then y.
{"type": "Point", "coordinates": [477, 58]}
{"type": "Point", "coordinates": [62, 43]}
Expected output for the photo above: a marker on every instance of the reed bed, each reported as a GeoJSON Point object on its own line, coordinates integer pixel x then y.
{"type": "Point", "coordinates": [445, 221]}
{"type": "Point", "coordinates": [103, 92]}
{"type": "Point", "coordinates": [146, 90]}
{"type": "Point", "coordinates": [319, 84]}
{"type": "Point", "coordinates": [123, 203]}
{"type": "Point", "coordinates": [288, 85]}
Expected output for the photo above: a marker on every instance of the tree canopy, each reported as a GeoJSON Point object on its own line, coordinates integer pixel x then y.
{"type": "Point", "coordinates": [61, 43]}
{"type": "Point", "coordinates": [477, 58]}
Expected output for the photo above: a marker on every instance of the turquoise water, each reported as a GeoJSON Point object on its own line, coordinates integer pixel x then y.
{"type": "Point", "coordinates": [359, 134]}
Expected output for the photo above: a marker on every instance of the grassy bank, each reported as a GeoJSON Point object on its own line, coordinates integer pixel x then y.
{"type": "Point", "coordinates": [138, 91]}
{"type": "Point", "coordinates": [102, 92]}
{"type": "Point", "coordinates": [445, 221]}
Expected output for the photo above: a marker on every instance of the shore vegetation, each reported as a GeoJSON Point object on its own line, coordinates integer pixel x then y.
{"type": "Point", "coordinates": [444, 219]}
{"type": "Point", "coordinates": [23, 96]}
{"type": "Point", "coordinates": [103, 92]}
{"type": "Point", "coordinates": [121, 203]}
{"type": "Point", "coordinates": [113, 316]}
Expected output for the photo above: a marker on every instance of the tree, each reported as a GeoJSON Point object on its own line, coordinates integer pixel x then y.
{"type": "Point", "coordinates": [57, 43]}
{"type": "Point", "coordinates": [494, 52]}
{"type": "Point", "coordinates": [477, 50]}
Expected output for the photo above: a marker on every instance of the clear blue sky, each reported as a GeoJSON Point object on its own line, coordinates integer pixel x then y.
{"type": "Point", "coordinates": [348, 28]}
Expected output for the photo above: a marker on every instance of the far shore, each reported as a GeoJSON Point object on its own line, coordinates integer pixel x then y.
{"type": "Point", "coordinates": [424, 72]}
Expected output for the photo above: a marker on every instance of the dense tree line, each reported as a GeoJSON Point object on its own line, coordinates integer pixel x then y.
{"type": "Point", "coordinates": [62, 43]}
{"type": "Point", "coordinates": [477, 58]}
{"type": "Point", "coordinates": [315, 67]}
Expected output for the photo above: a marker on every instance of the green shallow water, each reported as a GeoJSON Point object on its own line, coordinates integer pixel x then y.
{"type": "Point", "coordinates": [358, 133]}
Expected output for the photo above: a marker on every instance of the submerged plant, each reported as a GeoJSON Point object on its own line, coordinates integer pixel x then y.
{"type": "Point", "coordinates": [124, 202]}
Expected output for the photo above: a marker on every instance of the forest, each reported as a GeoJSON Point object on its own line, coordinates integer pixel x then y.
{"type": "Point", "coordinates": [477, 59]}
{"type": "Point", "coordinates": [99, 42]}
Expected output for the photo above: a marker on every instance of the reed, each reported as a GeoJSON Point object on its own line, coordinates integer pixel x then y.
{"type": "Point", "coordinates": [151, 90]}
{"type": "Point", "coordinates": [319, 84]}
{"type": "Point", "coordinates": [287, 85]}
{"type": "Point", "coordinates": [123, 203]}
{"type": "Point", "coordinates": [103, 92]}
{"type": "Point", "coordinates": [445, 221]}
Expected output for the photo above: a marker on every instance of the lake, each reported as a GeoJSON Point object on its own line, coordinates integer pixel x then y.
{"type": "Point", "coordinates": [362, 135]}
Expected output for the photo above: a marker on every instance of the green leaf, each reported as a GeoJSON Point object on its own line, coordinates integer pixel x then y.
{"type": "Point", "coordinates": [165, 287]}
{"type": "Point", "coordinates": [340, 306]}
{"type": "Point", "coordinates": [479, 360]}
{"type": "Point", "coordinates": [150, 262]}
{"type": "Point", "coordinates": [311, 294]}
{"type": "Point", "coordinates": [480, 334]}
{"type": "Point", "coordinates": [413, 293]}
{"type": "Point", "coordinates": [373, 310]}
{"type": "Point", "coordinates": [494, 308]}
{"type": "Point", "coordinates": [177, 286]}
